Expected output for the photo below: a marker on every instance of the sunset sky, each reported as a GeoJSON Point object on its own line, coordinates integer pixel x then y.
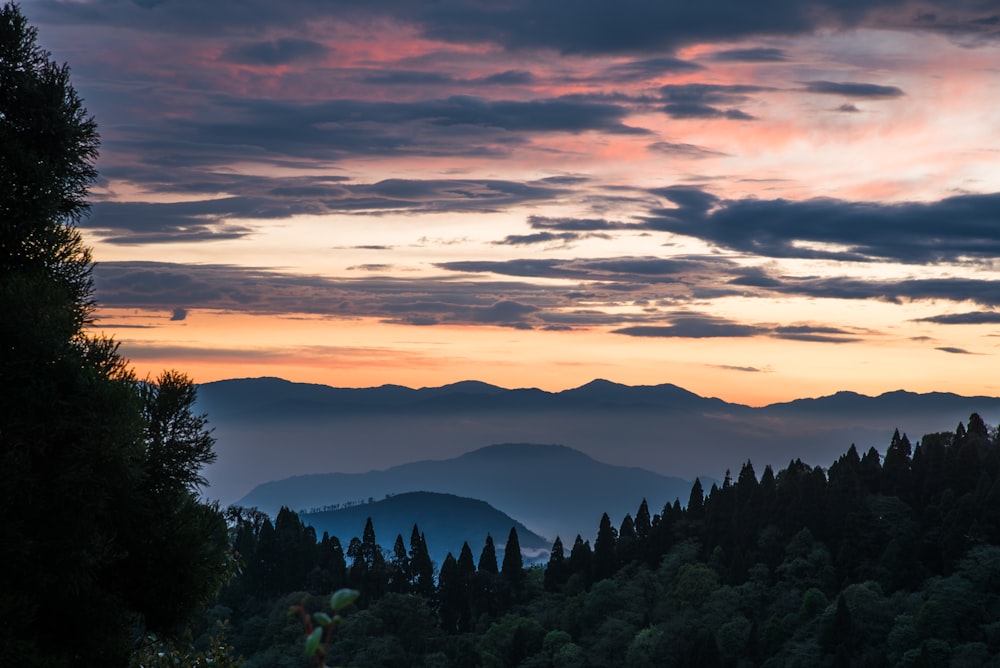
{"type": "Point", "coordinates": [753, 200]}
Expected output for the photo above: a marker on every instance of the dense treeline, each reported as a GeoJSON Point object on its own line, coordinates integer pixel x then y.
{"type": "Point", "coordinates": [887, 560]}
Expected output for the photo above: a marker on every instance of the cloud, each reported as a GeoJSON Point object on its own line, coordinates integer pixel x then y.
{"type": "Point", "coordinates": [700, 326]}
{"type": "Point", "coordinates": [850, 89]}
{"type": "Point", "coordinates": [579, 224]}
{"type": "Point", "coordinates": [511, 78]}
{"type": "Point", "coordinates": [752, 55]}
{"type": "Point", "coordinates": [973, 318]}
{"type": "Point", "coordinates": [588, 27]}
{"type": "Point", "coordinates": [132, 223]}
{"type": "Point", "coordinates": [848, 109]}
{"type": "Point", "coordinates": [649, 68]}
{"type": "Point", "coordinates": [543, 238]}
{"type": "Point", "coordinates": [699, 100]}
{"type": "Point", "coordinates": [745, 369]}
{"type": "Point", "coordinates": [949, 230]}
{"type": "Point", "coordinates": [406, 78]}
{"type": "Point", "coordinates": [685, 150]}
{"type": "Point", "coordinates": [954, 351]}
{"type": "Point", "coordinates": [179, 314]}
{"type": "Point", "coordinates": [281, 51]}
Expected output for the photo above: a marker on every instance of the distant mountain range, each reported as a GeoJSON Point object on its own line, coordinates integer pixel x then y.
{"type": "Point", "coordinates": [270, 429]}
{"type": "Point", "coordinates": [552, 489]}
{"type": "Point", "coordinates": [258, 397]}
{"type": "Point", "coordinates": [445, 520]}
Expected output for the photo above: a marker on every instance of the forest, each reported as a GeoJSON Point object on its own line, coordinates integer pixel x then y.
{"type": "Point", "coordinates": [877, 560]}
{"type": "Point", "coordinates": [112, 557]}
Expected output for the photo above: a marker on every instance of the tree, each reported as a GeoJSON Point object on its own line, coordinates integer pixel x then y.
{"type": "Point", "coordinates": [100, 517]}
{"type": "Point", "coordinates": [421, 567]}
{"type": "Point", "coordinates": [513, 564]}
{"type": "Point", "coordinates": [605, 550]}
{"type": "Point", "coordinates": [556, 570]}
{"type": "Point", "coordinates": [488, 557]}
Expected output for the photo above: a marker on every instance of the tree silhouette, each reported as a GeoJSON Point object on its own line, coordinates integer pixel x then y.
{"type": "Point", "coordinates": [100, 514]}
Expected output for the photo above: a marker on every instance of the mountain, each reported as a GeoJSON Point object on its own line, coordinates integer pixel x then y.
{"type": "Point", "coordinates": [271, 429]}
{"type": "Point", "coordinates": [446, 520]}
{"type": "Point", "coordinates": [255, 397]}
{"type": "Point", "coordinates": [552, 489]}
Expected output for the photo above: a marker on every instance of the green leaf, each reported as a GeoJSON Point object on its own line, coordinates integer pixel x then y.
{"type": "Point", "coordinates": [343, 598]}
{"type": "Point", "coordinates": [312, 642]}
{"type": "Point", "coordinates": [322, 618]}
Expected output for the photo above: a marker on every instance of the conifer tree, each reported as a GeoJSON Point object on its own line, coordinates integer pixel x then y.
{"type": "Point", "coordinates": [513, 563]}
{"type": "Point", "coordinates": [488, 557]}
{"type": "Point", "coordinates": [605, 549]}
{"type": "Point", "coordinates": [421, 566]}
{"type": "Point", "coordinates": [555, 570]}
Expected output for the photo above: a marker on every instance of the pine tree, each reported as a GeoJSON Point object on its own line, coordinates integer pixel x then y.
{"type": "Point", "coordinates": [488, 557]}
{"type": "Point", "coordinates": [421, 566]}
{"type": "Point", "coordinates": [696, 501]}
{"type": "Point", "coordinates": [399, 567]}
{"type": "Point", "coordinates": [605, 548]}
{"type": "Point", "coordinates": [513, 563]}
{"type": "Point", "coordinates": [556, 569]}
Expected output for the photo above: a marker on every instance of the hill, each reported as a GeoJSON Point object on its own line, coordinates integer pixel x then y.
{"type": "Point", "coordinates": [446, 520]}
{"type": "Point", "coordinates": [552, 489]}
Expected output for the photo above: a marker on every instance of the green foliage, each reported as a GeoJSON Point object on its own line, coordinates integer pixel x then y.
{"type": "Point", "coordinates": [320, 626]}
{"type": "Point", "coordinates": [157, 652]}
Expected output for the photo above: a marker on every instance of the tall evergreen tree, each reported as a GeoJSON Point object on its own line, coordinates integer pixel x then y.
{"type": "Point", "coordinates": [513, 563]}
{"type": "Point", "coordinates": [421, 566]}
{"type": "Point", "coordinates": [399, 567]}
{"type": "Point", "coordinates": [556, 568]}
{"type": "Point", "coordinates": [488, 557]}
{"type": "Point", "coordinates": [696, 501]}
{"type": "Point", "coordinates": [605, 550]}
{"type": "Point", "coordinates": [94, 510]}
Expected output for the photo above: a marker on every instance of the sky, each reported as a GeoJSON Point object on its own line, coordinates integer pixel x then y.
{"type": "Point", "coordinates": [752, 200]}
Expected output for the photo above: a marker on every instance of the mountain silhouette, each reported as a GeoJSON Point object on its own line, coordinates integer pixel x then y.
{"type": "Point", "coordinates": [446, 520]}
{"type": "Point", "coordinates": [552, 489]}
{"type": "Point", "coordinates": [271, 429]}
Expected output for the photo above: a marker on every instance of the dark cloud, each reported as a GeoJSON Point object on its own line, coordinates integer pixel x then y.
{"type": "Point", "coordinates": [406, 78]}
{"type": "Point", "coordinates": [699, 100]}
{"type": "Point", "coordinates": [511, 78]}
{"type": "Point", "coordinates": [981, 291]}
{"type": "Point", "coordinates": [953, 350]}
{"type": "Point", "coordinates": [650, 68]}
{"type": "Point", "coordinates": [277, 52]}
{"type": "Point", "coordinates": [912, 232]}
{"type": "Point", "coordinates": [544, 238]}
{"type": "Point", "coordinates": [179, 314]}
{"type": "Point", "coordinates": [754, 55]}
{"type": "Point", "coordinates": [701, 326]}
{"type": "Point", "coordinates": [128, 223]}
{"type": "Point", "coordinates": [848, 109]}
{"type": "Point", "coordinates": [154, 286]}
{"type": "Point", "coordinates": [581, 26]}
{"type": "Point", "coordinates": [207, 220]}
{"type": "Point", "coordinates": [973, 318]}
{"type": "Point", "coordinates": [851, 89]}
{"type": "Point", "coordinates": [578, 224]}
{"type": "Point", "coordinates": [746, 369]}
{"type": "Point", "coordinates": [685, 150]}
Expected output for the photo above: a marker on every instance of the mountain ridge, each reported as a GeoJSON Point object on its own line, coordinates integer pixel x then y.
{"type": "Point", "coordinates": [552, 489]}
